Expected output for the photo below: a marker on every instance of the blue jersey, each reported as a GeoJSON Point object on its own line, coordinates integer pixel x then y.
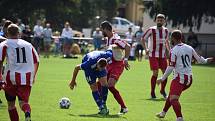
{"type": "Point", "coordinates": [89, 65]}
{"type": "Point", "coordinates": [89, 61]}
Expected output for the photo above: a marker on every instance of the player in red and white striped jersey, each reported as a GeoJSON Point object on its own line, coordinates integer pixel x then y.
{"type": "Point", "coordinates": [180, 61]}
{"type": "Point", "coordinates": [157, 37]}
{"type": "Point", "coordinates": [116, 67]}
{"type": "Point", "coordinates": [20, 70]}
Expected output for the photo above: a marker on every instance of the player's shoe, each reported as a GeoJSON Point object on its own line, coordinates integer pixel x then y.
{"type": "Point", "coordinates": [123, 111]}
{"type": "Point", "coordinates": [104, 111]}
{"type": "Point", "coordinates": [0, 101]}
{"type": "Point", "coordinates": [180, 119]}
{"type": "Point", "coordinates": [27, 116]}
{"type": "Point", "coordinates": [153, 96]}
{"type": "Point", "coordinates": [164, 94]}
{"type": "Point", "coordinates": [161, 114]}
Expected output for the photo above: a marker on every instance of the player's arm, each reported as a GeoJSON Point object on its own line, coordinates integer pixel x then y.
{"type": "Point", "coordinates": [74, 75]}
{"type": "Point", "coordinates": [36, 62]}
{"type": "Point", "coordinates": [143, 40]}
{"type": "Point", "coordinates": [3, 50]}
{"type": "Point", "coordinates": [127, 53]}
{"type": "Point", "coordinates": [201, 59]}
{"type": "Point", "coordinates": [169, 69]}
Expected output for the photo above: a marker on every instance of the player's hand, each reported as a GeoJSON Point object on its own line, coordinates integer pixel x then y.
{"type": "Point", "coordinates": [147, 52]}
{"type": "Point", "coordinates": [127, 66]}
{"type": "Point", "coordinates": [72, 84]}
{"type": "Point", "coordinates": [211, 59]}
{"type": "Point", "coordinates": [158, 81]}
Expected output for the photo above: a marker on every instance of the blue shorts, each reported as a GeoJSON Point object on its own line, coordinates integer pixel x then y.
{"type": "Point", "coordinates": [92, 75]}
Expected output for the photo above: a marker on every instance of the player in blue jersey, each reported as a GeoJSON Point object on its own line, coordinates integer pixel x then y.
{"type": "Point", "coordinates": [94, 66]}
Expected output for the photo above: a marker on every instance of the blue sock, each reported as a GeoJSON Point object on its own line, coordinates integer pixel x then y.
{"type": "Point", "coordinates": [97, 99]}
{"type": "Point", "coordinates": [104, 93]}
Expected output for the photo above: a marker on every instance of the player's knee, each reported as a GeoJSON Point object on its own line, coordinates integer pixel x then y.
{"type": "Point", "coordinates": [11, 105]}
{"type": "Point", "coordinates": [111, 82]}
{"type": "Point", "coordinates": [173, 98]}
{"type": "Point", "coordinates": [155, 73]}
{"type": "Point", "coordinates": [93, 87]}
{"type": "Point", "coordinates": [113, 90]}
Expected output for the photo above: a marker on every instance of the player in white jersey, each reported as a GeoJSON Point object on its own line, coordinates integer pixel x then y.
{"type": "Point", "coordinates": [157, 37]}
{"type": "Point", "coordinates": [180, 61]}
{"type": "Point", "coordinates": [19, 73]}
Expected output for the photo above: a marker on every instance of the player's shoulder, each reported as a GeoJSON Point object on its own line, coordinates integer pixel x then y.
{"type": "Point", "coordinates": [4, 43]}
{"type": "Point", "coordinates": [25, 43]}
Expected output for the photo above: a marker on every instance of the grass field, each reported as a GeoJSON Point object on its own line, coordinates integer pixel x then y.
{"type": "Point", "coordinates": [198, 102]}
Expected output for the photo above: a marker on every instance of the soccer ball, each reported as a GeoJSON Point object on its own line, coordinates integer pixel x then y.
{"type": "Point", "coordinates": [64, 103]}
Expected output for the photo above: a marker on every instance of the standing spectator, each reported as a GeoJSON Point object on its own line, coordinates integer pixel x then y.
{"type": "Point", "coordinates": [6, 24]}
{"type": "Point", "coordinates": [139, 48]}
{"type": "Point", "coordinates": [97, 39]}
{"type": "Point", "coordinates": [57, 43]}
{"type": "Point", "coordinates": [67, 39]}
{"type": "Point", "coordinates": [192, 39]}
{"type": "Point", "coordinates": [38, 35]}
{"type": "Point", "coordinates": [27, 34]}
{"type": "Point", "coordinates": [20, 25]}
{"type": "Point", "coordinates": [158, 43]}
{"type": "Point", "coordinates": [1, 26]}
{"type": "Point", "coordinates": [129, 36]}
{"type": "Point", "coordinates": [20, 71]}
{"type": "Point", "coordinates": [47, 33]}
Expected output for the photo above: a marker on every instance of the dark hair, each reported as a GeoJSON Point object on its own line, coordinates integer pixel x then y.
{"type": "Point", "coordinates": [5, 26]}
{"type": "Point", "coordinates": [102, 62]}
{"type": "Point", "coordinates": [177, 34]}
{"type": "Point", "coordinates": [12, 30]}
{"type": "Point", "coordinates": [106, 25]}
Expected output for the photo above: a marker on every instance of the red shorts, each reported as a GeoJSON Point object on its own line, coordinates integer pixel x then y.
{"type": "Point", "coordinates": [21, 91]}
{"type": "Point", "coordinates": [115, 69]}
{"type": "Point", "coordinates": [176, 88]}
{"type": "Point", "coordinates": [156, 63]}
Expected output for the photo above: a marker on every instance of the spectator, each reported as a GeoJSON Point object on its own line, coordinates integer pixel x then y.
{"type": "Point", "coordinates": [57, 43]}
{"type": "Point", "coordinates": [38, 35]}
{"type": "Point", "coordinates": [1, 26]}
{"type": "Point", "coordinates": [97, 39]}
{"type": "Point", "coordinates": [47, 33]}
{"type": "Point", "coordinates": [129, 35]}
{"type": "Point", "coordinates": [192, 39]}
{"type": "Point", "coordinates": [6, 24]}
{"type": "Point", "coordinates": [67, 39]}
{"type": "Point", "coordinates": [27, 34]}
{"type": "Point", "coordinates": [20, 25]}
{"type": "Point", "coordinates": [139, 48]}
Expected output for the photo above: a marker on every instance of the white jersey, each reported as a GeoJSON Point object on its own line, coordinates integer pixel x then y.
{"type": "Point", "coordinates": [156, 41]}
{"type": "Point", "coordinates": [180, 58]}
{"type": "Point", "coordinates": [21, 57]}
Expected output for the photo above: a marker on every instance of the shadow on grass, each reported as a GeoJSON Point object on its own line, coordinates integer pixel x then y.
{"type": "Point", "coordinates": [99, 116]}
{"type": "Point", "coordinates": [156, 99]}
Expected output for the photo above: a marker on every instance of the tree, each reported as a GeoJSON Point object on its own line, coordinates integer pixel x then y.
{"type": "Point", "coordinates": [189, 13]}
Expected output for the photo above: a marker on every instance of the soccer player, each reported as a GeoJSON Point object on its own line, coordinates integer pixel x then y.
{"type": "Point", "coordinates": [180, 61]}
{"type": "Point", "coordinates": [157, 45]}
{"type": "Point", "coordinates": [94, 66]}
{"type": "Point", "coordinates": [116, 67]}
{"type": "Point", "coordinates": [19, 73]}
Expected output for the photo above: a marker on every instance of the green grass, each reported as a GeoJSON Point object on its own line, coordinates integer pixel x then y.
{"type": "Point", "coordinates": [198, 102]}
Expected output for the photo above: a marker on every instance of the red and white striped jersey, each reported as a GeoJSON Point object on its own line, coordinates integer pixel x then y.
{"type": "Point", "coordinates": [156, 41]}
{"type": "Point", "coordinates": [21, 57]}
{"type": "Point", "coordinates": [180, 58]}
{"type": "Point", "coordinates": [115, 39]}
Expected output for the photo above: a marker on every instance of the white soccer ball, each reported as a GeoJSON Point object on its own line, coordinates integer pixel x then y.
{"type": "Point", "coordinates": [64, 103]}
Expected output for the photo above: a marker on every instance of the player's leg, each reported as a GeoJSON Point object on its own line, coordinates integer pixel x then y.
{"type": "Point", "coordinates": [13, 114]}
{"type": "Point", "coordinates": [23, 96]}
{"type": "Point", "coordinates": [103, 88]}
{"type": "Point", "coordinates": [154, 67]}
{"type": "Point", "coordinates": [163, 66]}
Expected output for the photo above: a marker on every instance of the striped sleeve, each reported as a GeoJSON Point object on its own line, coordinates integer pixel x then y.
{"type": "Point", "coordinates": [120, 43]}
{"type": "Point", "coordinates": [3, 51]}
{"type": "Point", "coordinates": [147, 34]}
{"type": "Point", "coordinates": [35, 56]}
{"type": "Point", "coordinates": [172, 59]}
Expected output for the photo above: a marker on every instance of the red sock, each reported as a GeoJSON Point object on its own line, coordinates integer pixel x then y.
{"type": "Point", "coordinates": [176, 107]}
{"type": "Point", "coordinates": [153, 84]}
{"type": "Point", "coordinates": [163, 85]}
{"type": "Point", "coordinates": [13, 114]}
{"type": "Point", "coordinates": [117, 96]}
{"type": "Point", "coordinates": [26, 108]}
{"type": "Point", "coordinates": [167, 105]}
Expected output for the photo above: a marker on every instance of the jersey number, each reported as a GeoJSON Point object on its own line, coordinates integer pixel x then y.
{"type": "Point", "coordinates": [18, 55]}
{"type": "Point", "coordinates": [185, 60]}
